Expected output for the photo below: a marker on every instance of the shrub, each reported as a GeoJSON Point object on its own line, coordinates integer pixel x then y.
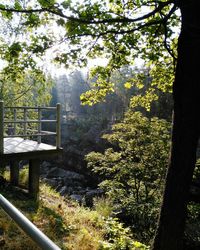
{"type": "Point", "coordinates": [133, 169]}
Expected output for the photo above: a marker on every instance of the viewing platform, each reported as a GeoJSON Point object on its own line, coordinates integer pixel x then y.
{"type": "Point", "coordinates": [21, 138]}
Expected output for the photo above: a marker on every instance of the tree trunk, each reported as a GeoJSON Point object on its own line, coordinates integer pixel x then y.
{"type": "Point", "coordinates": [185, 133]}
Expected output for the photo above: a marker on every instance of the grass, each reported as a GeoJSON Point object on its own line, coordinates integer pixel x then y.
{"type": "Point", "coordinates": [70, 226]}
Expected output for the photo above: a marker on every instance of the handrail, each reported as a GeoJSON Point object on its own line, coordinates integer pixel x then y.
{"type": "Point", "coordinates": [28, 227]}
{"type": "Point", "coordinates": [26, 107]}
{"type": "Point", "coordinates": [29, 121]}
{"type": "Point", "coordinates": [26, 132]}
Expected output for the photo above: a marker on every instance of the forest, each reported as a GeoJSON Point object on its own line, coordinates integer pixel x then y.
{"type": "Point", "coordinates": [126, 75]}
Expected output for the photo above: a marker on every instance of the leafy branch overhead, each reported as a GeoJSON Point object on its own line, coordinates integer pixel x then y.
{"type": "Point", "coordinates": [117, 30]}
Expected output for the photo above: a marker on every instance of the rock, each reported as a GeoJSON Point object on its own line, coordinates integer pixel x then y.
{"type": "Point", "coordinates": [93, 134]}
{"type": "Point", "coordinates": [94, 192]}
{"type": "Point", "coordinates": [77, 197]}
{"type": "Point", "coordinates": [46, 164]}
{"type": "Point", "coordinates": [73, 176]}
{"type": "Point", "coordinates": [80, 191]}
{"type": "Point", "coordinates": [52, 182]}
{"type": "Point", "coordinates": [68, 176]}
{"type": "Point", "coordinates": [89, 196]}
{"type": "Point", "coordinates": [45, 167]}
{"type": "Point", "coordinates": [56, 172]}
{"type": "Point", "coordinates": [63, 190]}
{"type": "Point", "coordinates": [69, 190]}
{"type": "Point", "coordinates": [58, 188]}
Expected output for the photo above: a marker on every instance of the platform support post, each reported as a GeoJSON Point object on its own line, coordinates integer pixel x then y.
{"type": "Point", "coordinates": [34, 174]}
{"type": "Point", "coordinates": [14, 173]}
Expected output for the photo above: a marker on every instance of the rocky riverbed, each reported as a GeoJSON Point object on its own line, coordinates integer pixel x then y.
{"type": "Point", "coordinates": [69, 183]}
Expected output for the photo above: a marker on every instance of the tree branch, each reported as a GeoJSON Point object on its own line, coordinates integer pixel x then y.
{"type": "Point", "coordinates": [165, 39]}
{"type": "Point", "coordinates": [58, 12]}
{"type": "Point", "coordinates": [120, 32]}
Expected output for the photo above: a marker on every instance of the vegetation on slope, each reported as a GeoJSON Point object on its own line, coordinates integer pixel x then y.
{"type": "Point", "coordinates": [69, 225]}
{"type": "Point", "coordinates": [132, 170]}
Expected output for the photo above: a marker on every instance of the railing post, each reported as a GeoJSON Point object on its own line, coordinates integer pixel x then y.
{"type": "Point", "coordinates": [15, 119]}
{"type": "Point", "coordinates": [58, 125]}
{"type": "Point", "coordinates": [1, 125]}
{"type": "Point", "coordinates": [39, 124]}
{"type": "Point", "coordinates": [25, 119]}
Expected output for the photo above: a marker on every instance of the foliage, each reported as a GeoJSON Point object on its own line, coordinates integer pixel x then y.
{"type": "Point", "coordinates": [22, 79]}
{"type": "Point", "coordinates": [152, 87]}
{"type": "Point", "coordinates": [119, 31]}
{"type": "Point", "coordinates": [133, 169]}
{"type": "Point", "coordinates": [104, 206]}
{"type": "Point", "coordinates": [192, 229]}
{"type": "Point", "coordinates": [83, 118]}
{"type": "Point", "coordinates": [66, 223]}
{"type": "Point", "coordinates": [118, 237]}
{"type": "Point", "coordinates": [30, 88]}
{"type": "Point", "coordinates": [23, 175]}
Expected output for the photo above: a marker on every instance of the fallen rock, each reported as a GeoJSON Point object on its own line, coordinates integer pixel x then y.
{"type": "Point", "coordinates": [89, 196]}
{"type": "Point", "coordinates": [52, 182]}
{"type": "Point", "coordinates": [77, 197]}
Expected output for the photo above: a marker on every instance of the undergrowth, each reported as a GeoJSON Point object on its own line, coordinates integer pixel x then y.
{"type": "Point", "coordinates": [70, 226]}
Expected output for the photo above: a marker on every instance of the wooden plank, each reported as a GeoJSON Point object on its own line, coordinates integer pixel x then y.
{"type": "Point", "coordinates": [19, 145]}
{"type": "Point", "coordinates": [19, 149]}
{"type": "Point", "coordinates": [42, 155]}
{"type": "Point", "coordinates": [34, 174]}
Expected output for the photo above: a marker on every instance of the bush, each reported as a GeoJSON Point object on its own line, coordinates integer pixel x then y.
{"type": "Point", "coordinates": [133, 169]}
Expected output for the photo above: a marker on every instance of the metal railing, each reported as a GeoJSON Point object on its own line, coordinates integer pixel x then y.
{"type": "Point", "coordinates": [19, 116]}
{"type": "Point", "coordinates": [28, 227]}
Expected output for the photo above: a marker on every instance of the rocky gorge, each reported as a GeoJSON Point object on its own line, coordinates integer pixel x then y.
{"type": "Point", "coordinates": [69, 183]}
{"type": "Point", "coordinates": [69, 174]}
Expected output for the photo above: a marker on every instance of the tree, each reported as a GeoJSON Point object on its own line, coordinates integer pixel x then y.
{"type": "Point", "coordinates": [132, 170]}
{"type": "Point", "coordinates": [124, 30]}
{"type": "Point", "coordinates": [185, 133]}
{"type": "Point", "coordinates": [22, 81]}
{"type": "Point", "coordinates": [24, 87]}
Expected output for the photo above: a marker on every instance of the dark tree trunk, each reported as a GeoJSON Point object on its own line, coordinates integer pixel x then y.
{"type": "Point", "coordinates": [185, 134]}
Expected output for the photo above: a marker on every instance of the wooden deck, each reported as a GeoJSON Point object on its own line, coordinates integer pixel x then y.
{"type": "Point", "coordinates": [20, 145]}
{"type": "Point", "coordinates": [17, 148]}
{"type": "Point", "coordinates": [14, 146]}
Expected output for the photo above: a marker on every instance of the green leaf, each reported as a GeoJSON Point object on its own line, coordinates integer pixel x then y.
{"type": "Point", "coordinates": [2, 6]}
{"type": "Point", "coordinates": [127, 85]}
{"type": "Point", "coordinates": [17, 5]}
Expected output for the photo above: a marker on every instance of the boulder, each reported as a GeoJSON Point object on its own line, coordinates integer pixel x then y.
{"type": "Point", "coordinates": [63, 190]}
{"type": "Point", "coordinates": [77, 197]}
{"type": "Point", "coordinates": [56, 172]}
{"type": "Point", "coordinates": [89, 196]}
{"type": "Point", "coordinates": [70, 175]}
{"type": "Point", "coordinates": [52, 182]}
{"type": "Point", "coordinates": [45, 167]}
